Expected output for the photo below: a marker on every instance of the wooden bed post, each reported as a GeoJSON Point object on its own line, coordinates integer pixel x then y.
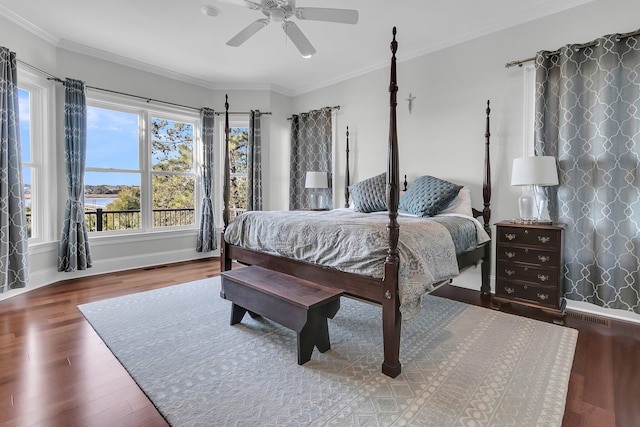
{"type": "Point", "coordinates": [485, 290]}
{"type": "Point", "coordinates": [225, 263]}
{"type": "Point", "coordinates": [391, 317]}
{"type": "Point", "coordinates": [347, 179]}
{"type": "Point", "coordinates": [486, 186]}
{"type": "Point", "coordinates": [485, 267]}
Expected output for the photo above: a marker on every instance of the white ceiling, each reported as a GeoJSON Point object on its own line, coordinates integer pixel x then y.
{"type": "Point", "coordinates": [172, 37]}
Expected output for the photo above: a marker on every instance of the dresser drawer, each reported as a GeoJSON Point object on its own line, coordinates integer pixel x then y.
{"type": "Point", "coordinates": [528, 255]}
{"type": "Point", "coordinates": [537, 275]}
{"type": "Point", "coordinates": [541, 238]}
{"type": "Point", "coordinates": [537, 294]}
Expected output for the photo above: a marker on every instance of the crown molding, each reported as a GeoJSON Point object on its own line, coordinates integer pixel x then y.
{"type": "Point", "coordinates": [549, 8]}
{"type": "Point", "coordinates": [34, 29]}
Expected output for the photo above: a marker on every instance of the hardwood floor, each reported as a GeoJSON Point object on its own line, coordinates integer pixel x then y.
{"type": "Point", "coordinates": [55, 370]}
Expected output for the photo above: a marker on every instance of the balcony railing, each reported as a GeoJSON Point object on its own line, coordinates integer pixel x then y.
{"type": "Point", "coordinates": [103, 220]}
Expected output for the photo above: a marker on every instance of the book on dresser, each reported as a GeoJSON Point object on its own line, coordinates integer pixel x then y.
{"type": "Point", "coordinates": [529, 266]}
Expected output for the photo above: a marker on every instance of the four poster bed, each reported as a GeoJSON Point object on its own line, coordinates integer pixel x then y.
{"type": "Point", "coordinates": [391, 271]}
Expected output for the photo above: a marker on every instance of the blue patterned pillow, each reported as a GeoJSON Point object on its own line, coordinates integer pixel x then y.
{"type": "Point", "coordinates": [428, 196]}
{"type": "Point", "coordinates": [370, 195]}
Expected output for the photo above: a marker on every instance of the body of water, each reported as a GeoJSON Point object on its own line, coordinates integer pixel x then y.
{"type": "Point", "coordinates": [98, 201]}
{"type": "Point", "coordinates": [88, 201]}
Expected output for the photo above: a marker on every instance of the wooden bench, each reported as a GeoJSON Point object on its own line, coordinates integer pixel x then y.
{"type": "Point", "coordinates": [297, 304]}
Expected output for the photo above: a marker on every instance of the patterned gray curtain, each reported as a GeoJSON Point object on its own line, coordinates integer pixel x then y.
{"type": "Point", "coordinates": [73, 251]}
{"type": "Point", "coordinates": [207, 240]}
{"type": "Point", "coordinates": [13, 224]}
{"type": "Point", "coordinates": [254, 163]}
{"type": "Point", "coordinates": [311, 150]}
{"type": "Point", "coordinates": [588, 116]}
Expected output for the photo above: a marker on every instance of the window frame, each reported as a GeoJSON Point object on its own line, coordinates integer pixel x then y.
{"type": "Point", "coordinates": [145, 112]}
{"type": "Point", "coordinates": [528, 138]}
{"type": "Point", "coordinates": [42, 161]}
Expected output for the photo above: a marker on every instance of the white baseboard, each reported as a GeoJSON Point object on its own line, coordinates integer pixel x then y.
{"type": "Point", "coordinates": [468, 281]}
{"type": "Point", "coordinates": [49, 276]}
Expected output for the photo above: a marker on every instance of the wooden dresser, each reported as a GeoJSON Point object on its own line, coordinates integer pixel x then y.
{"type": "Point", "coordinates": [529, 266]}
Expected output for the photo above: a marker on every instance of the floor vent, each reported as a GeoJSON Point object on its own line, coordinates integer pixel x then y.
{"type": "Point", "coordinates": [589, 318]}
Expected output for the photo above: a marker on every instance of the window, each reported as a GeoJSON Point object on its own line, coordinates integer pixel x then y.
{"type": "Point", "coordinates": [140, 171]}
{"type": "Point", "coordinates": [238, 150]}
{"type": "Point", "coordinates": [24, 101]}
{"type": "Point", "coordinates": [33, 99]}
{"type": "Point", "coordinates": [172, 177]}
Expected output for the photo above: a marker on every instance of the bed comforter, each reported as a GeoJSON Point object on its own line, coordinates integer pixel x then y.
{"type": "Point", "coordinates": [356, 243]}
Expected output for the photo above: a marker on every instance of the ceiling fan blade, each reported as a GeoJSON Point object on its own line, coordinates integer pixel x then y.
{"type": "Point", "coordinates": [244, 3]}
{"type": "Point", "coordinates": [299, 39]}
{"type": "Point", "coordinates": [250, 30]}
{"type": "Point", "coordinates": [342, 16]}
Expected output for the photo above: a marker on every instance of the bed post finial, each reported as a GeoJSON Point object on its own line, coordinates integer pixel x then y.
{"type": "Point", "coordinates": [394, 44]}
{"type": "Point", "coordinates": [347, 178]}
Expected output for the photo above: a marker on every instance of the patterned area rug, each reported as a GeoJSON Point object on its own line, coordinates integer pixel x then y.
{"type": "Point", "coordinates": [462, 365]}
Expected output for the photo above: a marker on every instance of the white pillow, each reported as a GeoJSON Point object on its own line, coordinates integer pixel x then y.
{"type": "Point", "coordinates": [461, 204]}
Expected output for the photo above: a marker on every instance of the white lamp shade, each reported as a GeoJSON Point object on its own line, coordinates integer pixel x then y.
{"type": "Point", "coordinates": [316, 180]}
{"type": "Point", "coordinates": [537, 170]}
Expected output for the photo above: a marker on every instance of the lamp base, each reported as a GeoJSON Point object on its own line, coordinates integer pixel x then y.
{"type": "Point", "coordinates": [542, 203]}
{"type": "Point", "coordinates": [313, 200]}
{"type": "Point", "coordinates": [527, 206]}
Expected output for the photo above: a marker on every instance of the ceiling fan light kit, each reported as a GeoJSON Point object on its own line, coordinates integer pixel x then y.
{"type": "Point", "coordinates": [209, 10]}
{"type": "Point", "coordinates": [281, 11]}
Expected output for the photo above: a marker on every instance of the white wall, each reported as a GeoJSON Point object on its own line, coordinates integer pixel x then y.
{"type": "Point", "coordinates": [444, 135]}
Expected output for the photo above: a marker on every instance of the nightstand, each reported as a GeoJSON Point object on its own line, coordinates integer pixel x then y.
{"type": "Point", "coordinates": [529, 266]}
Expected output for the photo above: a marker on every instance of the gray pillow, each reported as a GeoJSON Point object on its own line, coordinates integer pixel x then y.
{"type": "Point", "coordinates": [428, 196]}
{"type": "Point", "coordinates": [370, 195]}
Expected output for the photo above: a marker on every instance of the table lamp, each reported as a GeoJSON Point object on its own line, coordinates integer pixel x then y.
{"type": "Point", "coordinates": [536, 171]}
{"type": "Point", "coordinates": [315, 180]}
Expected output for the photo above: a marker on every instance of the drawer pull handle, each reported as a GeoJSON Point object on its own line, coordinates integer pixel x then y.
{"type": "Point", "coordinates": [510, 236]}
{"type": "Point", "coordinates": [543, 297]}
{"type": "Point", "coordinates": [509, 290]}
{"type": "Point", "coordinates": [543, 258]}
{"type": "Point", "coordinates": [543, 277]}
{"type": "Point", "coordinates": [510, 254]}
{"type": "Point", "coordinates": [544, 239]}
{"type": "Point", "coordinates": [510, 272]}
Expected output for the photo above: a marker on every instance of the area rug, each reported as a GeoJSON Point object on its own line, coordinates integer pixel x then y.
{"type": "Point", "coordinates": [462, 365]}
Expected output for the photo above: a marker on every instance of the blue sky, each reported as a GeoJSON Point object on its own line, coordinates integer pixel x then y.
{"type": "Point", "coordinates": [25, 136]}
{"type": "Point", "coordinates": [112, 143]}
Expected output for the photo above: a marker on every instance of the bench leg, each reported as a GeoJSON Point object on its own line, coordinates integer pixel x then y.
{"type": "Point", "coordinates": [306, 341]}
{"type": "Point", "coordinates": [322, 336]}
{"type": "Point", "coordinates": [237, 313]}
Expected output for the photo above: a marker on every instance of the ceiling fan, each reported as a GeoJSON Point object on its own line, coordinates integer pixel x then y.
{"type": "Point", "coordinates": [281, 11]}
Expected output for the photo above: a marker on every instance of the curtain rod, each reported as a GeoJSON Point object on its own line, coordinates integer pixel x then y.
{"type": "Point", "coordinates": [59, 80]}
{"type": "Point", "coordinates": [337, 107]}
{"type": "Point", "coordinates": [578, 47]}
{"type": "Point", "coordinates": [238, 113]}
